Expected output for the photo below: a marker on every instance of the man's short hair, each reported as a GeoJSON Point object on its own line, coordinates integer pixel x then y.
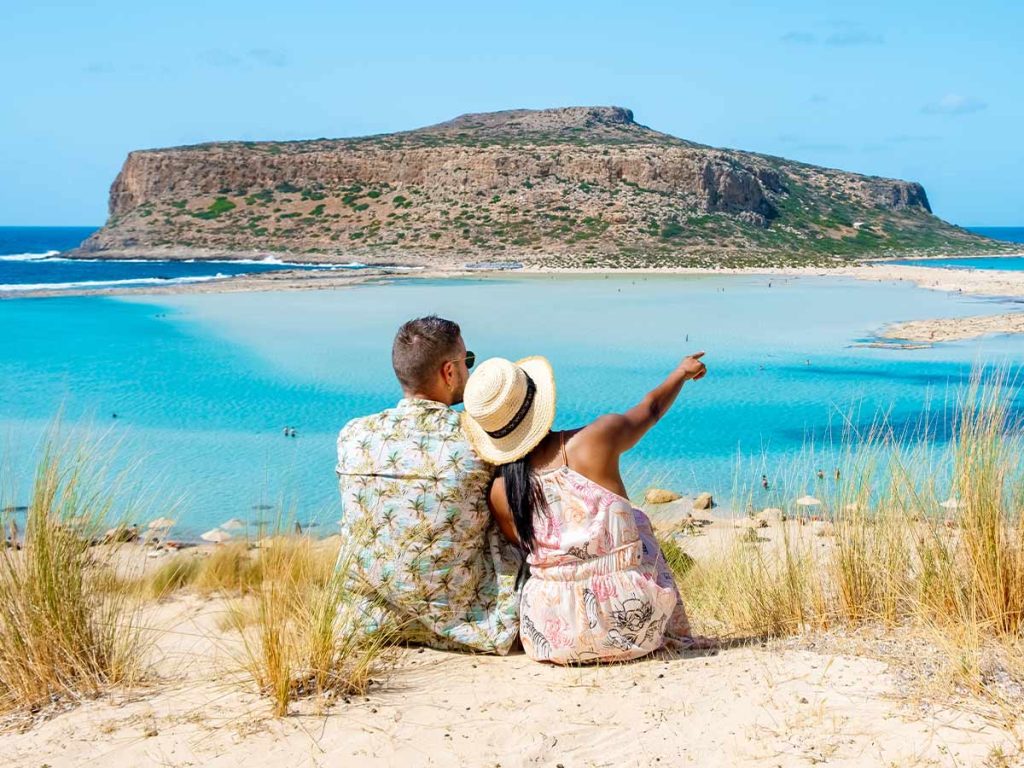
{"type": "Point", "coordinates": [421, 347]}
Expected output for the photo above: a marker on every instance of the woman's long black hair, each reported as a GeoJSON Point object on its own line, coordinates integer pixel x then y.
{"type": "Point", "coordinates": [525, 496]}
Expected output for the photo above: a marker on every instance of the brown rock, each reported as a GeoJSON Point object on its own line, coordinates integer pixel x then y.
{"type": "Point", "coordinates": [703, 501]}
{"type": "Point", "coordinates": [660, 496]}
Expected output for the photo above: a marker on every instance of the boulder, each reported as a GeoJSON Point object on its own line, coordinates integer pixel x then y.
{"type": "Point", "coordinates": [660, 496]}
{"type": "Point", "coordinates": [703, 501]}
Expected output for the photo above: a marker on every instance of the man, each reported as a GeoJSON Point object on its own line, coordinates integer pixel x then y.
{"type": "Point", "coordinates": [422, 549]}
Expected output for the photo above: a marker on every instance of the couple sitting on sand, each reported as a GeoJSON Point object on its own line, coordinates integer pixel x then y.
{"type": "Point", "coordinates": [467, 530]}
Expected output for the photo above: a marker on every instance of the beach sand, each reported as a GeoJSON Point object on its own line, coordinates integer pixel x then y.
{"type": "Point", "coordinates": [756, 705]}
{"type": "Point", "coordinates": [749, 704]}
{"type": "Point", "coordinates": [956, 328]}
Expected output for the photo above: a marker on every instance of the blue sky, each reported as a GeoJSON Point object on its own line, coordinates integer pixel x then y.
{"type": "Point", "coordinates": [929, 91]}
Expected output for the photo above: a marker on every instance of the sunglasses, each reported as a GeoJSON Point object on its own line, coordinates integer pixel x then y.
{"type": "Point", "coordinates": [470, 359]}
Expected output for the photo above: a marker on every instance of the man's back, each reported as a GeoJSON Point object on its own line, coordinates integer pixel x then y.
{"type": "Point", "coordinates": [425, 552]}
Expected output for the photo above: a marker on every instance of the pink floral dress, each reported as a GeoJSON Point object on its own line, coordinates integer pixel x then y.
{"type": "Point", "coordinates": [599, 587]}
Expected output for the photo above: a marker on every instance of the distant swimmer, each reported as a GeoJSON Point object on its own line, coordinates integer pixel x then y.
{"type": "Point", "coordinates": [293, 433]}
{"type": "Point", "coordinates": [286, 431]}
{"type": "Point", "coordinates": [764, 482]}
{"type": "Point", "coordinates": [837, 473]}
{"type": "Point", "coordinates": [113, 415]}
{"type": "Point", "coordinates": [821, 474]}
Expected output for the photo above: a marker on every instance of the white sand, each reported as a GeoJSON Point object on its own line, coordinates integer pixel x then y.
{"type": "Point", "coordinates": [748, 705]}
{"type": "Point", "coordinates": [745, 706]}
{"type": "Point", "coordinates": [956, 328]}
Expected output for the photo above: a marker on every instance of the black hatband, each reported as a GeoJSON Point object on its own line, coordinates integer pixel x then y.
{"type": "Point", "coordinates": [531, 390]}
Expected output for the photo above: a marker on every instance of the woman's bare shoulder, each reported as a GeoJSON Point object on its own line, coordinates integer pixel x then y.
{"type": "Point", "coordinates": [600, 429]}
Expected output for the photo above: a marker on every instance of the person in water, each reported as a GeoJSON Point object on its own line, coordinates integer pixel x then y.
{"type": "Point", "coordinates": [599, 588]}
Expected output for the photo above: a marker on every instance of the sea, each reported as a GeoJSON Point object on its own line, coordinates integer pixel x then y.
{"type": "Point", "coordinates": [30, 260]}
{"type": "Point", "coordinates": [1008, 263]}
{"type": "Point", "coordinates": [189, 396]}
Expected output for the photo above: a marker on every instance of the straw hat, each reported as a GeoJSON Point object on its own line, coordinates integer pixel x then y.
{"type": "Point", "coordinates": [509, 407]}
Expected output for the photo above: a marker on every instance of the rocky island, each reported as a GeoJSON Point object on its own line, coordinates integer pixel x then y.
{"type": "Point", "coordinates": [569, 188]}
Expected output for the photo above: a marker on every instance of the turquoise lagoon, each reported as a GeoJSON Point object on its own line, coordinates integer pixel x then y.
{"type": "Point", "coordinates": [202, 385]}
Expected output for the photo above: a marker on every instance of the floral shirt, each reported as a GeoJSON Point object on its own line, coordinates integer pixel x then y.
{"type": "Point", "coordinates": [424, 551]}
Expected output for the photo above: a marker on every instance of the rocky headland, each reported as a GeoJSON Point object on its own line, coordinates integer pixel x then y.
{"type": "Point", "coordinates": [572, 188]}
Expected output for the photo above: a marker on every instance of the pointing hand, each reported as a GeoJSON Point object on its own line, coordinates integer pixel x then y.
{"type": "Point", "coordinates": [692, 367]}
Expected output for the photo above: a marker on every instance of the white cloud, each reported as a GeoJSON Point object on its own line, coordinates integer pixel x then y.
{"type": "Point", "coordinates": [954, 104]}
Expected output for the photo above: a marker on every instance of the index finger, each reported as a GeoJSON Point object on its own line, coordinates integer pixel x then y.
{"type": "Point", "coordinates": [697, 355]}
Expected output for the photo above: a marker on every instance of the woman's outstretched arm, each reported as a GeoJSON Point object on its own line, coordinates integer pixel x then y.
{"type": "Point", "coordinates": [623, 430]}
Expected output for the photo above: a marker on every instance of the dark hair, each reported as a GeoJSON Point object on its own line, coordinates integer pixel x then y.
{"type": "Point", "coordinates": [421, 347]}
{"type": "Point", "coordinates": [525, 497]}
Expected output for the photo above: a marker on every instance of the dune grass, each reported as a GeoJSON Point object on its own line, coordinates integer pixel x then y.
{"type": "Point", "coordinates": [299, 627]}
{"type": "Point", "coordinates": [64, 633]}
{"type": "Point", "coordinates": [893, 556]}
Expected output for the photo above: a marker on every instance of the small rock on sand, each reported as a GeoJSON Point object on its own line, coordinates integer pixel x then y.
{"type": "Point", "coordinates": [660, 496]}
{"type": "Point", "coordinates": [703, 501]}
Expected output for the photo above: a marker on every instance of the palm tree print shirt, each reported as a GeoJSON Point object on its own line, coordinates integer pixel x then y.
{"type": "Point", "coordinates": [424, 551]}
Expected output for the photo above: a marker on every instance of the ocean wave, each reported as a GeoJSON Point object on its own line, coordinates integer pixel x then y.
{"type": "Point", "coordinates": [110, 283]}
{"type": "Point", "coordinates": [29, 256]}
{"type": "Point", "coordinates": [52, 258]}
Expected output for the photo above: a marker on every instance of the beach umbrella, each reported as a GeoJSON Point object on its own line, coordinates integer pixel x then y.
{"type": "Point", "coordinates": [160, 522]}
{"type": "Point", "coordinates": [951, 503]}
{"type": "Point", "coordinates": [233, 524]}
{"type": "Point", "coordinates": [217, 536]}
{"type": "Point", "coordinates": [807, 501]}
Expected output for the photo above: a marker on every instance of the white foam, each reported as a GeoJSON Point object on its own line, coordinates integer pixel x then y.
{"type": "Point", "coordinates": [110, 283]}
{"type": "Point", "coordinates": [29, 256]}
{"type": "Point", "coordinates": [277, 262]}
{"type": "Point", "coordinates": [50, 257]}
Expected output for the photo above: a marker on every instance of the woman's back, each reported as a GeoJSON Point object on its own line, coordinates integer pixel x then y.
{"type": "Point", "coordinates": [599, 589]}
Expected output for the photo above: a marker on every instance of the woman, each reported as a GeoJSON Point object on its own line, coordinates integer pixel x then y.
{"type": "Point", "coordinates": [599, 588]}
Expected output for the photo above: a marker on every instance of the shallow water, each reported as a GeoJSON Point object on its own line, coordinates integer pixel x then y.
{"type": "Point", "coordinates": [203, 384]}
{"type": "Point", "coordinates": [1005, 263]}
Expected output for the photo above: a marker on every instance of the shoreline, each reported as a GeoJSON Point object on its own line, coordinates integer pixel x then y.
{"type": "Point", "coordinates": [993, 283]}
{"type": "Point", "coordinates": [980, 282]}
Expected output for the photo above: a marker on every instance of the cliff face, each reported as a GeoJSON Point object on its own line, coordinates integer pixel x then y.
{"type": "Point", "coordinates": [583, 185]}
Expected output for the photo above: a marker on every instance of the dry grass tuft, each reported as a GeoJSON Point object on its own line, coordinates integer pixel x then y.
{"type": "Point", "coordinates": [66, 632]}
{"type": "Point", "coordinates": [299, 627]}
{"type": "Point", "coordinates": [896, 558]}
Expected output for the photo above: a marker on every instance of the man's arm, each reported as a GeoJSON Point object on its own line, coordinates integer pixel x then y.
{"type": "Point", "coordinates": [623, 430]}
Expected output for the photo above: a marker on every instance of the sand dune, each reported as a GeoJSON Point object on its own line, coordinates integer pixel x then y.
{"type": "Point", "coordinates": [749, 704]}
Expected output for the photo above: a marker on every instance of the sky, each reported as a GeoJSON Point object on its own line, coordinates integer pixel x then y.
{"type": "Point", "coordinates": [926, 91]}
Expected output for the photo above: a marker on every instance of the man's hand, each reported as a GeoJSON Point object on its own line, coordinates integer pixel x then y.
{"type": "Point", "coordinates": [692, 367]}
